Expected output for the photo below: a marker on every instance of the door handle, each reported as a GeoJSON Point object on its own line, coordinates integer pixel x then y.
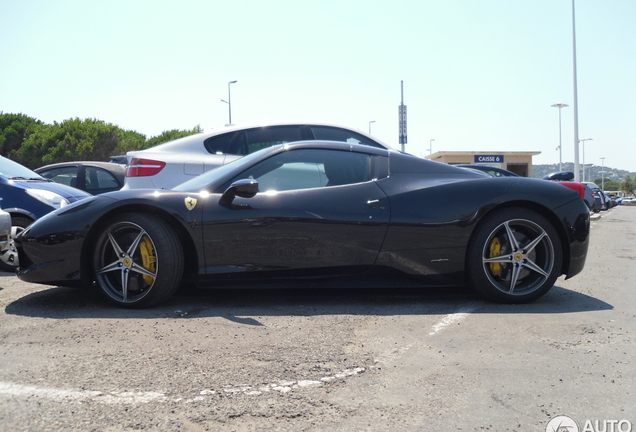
{"type": "Point", "coordinates": [375, 203]}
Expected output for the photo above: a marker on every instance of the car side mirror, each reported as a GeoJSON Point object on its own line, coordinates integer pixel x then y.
{"type": "Point", "coordinates": [244, 188]}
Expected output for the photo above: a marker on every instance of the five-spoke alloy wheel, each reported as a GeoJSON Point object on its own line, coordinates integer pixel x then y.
{"type": "Point", "coordinates": [138, 260]}
{"type": "Point", "coordinates": [515, 256]}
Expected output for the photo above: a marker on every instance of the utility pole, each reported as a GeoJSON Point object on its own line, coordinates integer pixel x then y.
{"type": "Point", "coordinates": [603, 174]}
{"type": "Point", "coordinates": [229, 102]}
{"type": "Point", "coordinates": [576, 102]}
{"type": "Point", "coordinates": [559, 106]}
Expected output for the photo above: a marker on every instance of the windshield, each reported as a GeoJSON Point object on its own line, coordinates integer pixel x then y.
{"type": "Point", "coordinates": [218, 174]}
{"type": "Point", "coordinates": [13, 170]}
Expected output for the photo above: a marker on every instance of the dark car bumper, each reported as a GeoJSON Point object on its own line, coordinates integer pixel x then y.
{"type": "Point", "coordinates": [50, 250]}
{"type": "Point", "coordinates": [575, 219]}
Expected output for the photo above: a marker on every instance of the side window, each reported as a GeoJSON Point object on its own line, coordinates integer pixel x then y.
{"type": "Point", "coordinates": [312, 168]}
{"type": "Point", "coordinates": [330, 133]}
{"type": "Point", "coordinates": [261, 138]}
{"type": "Point", "coordinates": [219, 144]}
{"type": "Point", "coordinates": [97, 178]}
{"type": "Point", "coordinates": [64, 175]}
{"type": "Point", "coordinates": [293, 176]}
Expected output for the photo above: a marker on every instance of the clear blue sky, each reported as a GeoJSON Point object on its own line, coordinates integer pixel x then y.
{"type": "Point", "coordinates": [478, 75]}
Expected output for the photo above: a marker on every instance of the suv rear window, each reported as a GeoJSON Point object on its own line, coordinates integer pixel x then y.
{"type": "Point", "coordinates": [252, 140]}
{"type": "Point", "coordinates": [331, 133]}
{"type": "Point", "coordinates": [257, 139]}
{"type": "Point", "coordinates": [219, 144]}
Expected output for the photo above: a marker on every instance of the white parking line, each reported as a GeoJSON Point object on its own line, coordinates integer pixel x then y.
{"type": "Point", "coordinates": [19, 390]}
{"type": "Point", "coordinates": [453, 318]}
{"type": "Point", "coordinates": [28, 391]}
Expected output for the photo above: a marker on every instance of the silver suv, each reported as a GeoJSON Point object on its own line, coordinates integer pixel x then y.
{"type": "Point", "coordinates": [172, 163]}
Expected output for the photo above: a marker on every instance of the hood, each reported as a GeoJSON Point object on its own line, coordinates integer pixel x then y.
{"type": "Point", "coordinates": [68, 192]}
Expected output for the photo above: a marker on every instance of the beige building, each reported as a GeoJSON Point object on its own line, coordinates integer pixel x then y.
{"type": "Point", "coordinates": [518, 162]}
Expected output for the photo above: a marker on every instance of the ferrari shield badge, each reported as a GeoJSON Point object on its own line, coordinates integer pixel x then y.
{"type": "Point", "coordinates": [190, 203]}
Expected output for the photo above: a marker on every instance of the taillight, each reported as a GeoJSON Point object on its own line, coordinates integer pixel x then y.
{"type": "Point", "coordinates": [144, 167]}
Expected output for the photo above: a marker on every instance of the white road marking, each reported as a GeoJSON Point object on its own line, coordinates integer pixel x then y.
{"type": "Point", "coordinates": [29, 391]}
{"type": "Point", "coordinates": [12, 389]}
{"type": "Point", "coordinates": [452, 319]}
{"type": "Point", "coordinates": [447, 320]}
{"type": "Point", "coordinates": [283, 386]}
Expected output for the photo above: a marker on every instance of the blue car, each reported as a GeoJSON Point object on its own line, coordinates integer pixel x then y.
{"type": "Point", "coordinates": [27, 196]}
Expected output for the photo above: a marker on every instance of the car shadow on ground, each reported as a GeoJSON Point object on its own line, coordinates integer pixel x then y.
{"type": "Point", "coordinates": [245, 306]}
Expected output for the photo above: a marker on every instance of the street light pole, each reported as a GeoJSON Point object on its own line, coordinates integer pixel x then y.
{"type": "Point", "coordinates": [559, 106]}
{"type": "Point", "coordinates": [576, 102]}
{"type": "Point", "coordinates": [229, 102]}
{"type": "Point", "coordinates": [430, 146]}
{"type": "Point", "coordinates": [583, 141]}
{"type": "Point", "coordinates": [372, 121]}
{"type": "Point", "coordinates": [603, 174]}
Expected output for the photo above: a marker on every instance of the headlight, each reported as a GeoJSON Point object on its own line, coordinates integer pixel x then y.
{"type": "Point", "coordinates": [49, 198]}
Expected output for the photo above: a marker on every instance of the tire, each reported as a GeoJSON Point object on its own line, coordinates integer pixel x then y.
{"type": "Point", "coordinates": [514, 256]}
{"type": "Point", "coordinates": [138, 261]}
{"type": "Point", "coordinates": [9, 255]}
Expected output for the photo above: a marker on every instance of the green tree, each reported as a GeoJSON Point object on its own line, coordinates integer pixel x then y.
{"type": "Point", "coordinates": [607, 184]}
{"type": "Point", "coordinates": [628, 185]}
{"type": "Point", "coordinates": [130, 140]}
{"type": "Point", "coordinates": [34, 143]}
{"type": "Point", "coordinates": [14, 128]}
{"type": "Point", "coordinates": [610, 185]}
{"type": "Point", "coordinates": [73, 139]}
{"type": "Point", "coordinates": [170, 135]}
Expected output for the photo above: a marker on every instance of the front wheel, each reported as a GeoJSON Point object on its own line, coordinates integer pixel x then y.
{"type": "Point", "coordinates": [514, 256]}
{"type": "Point", "coordinates": [138, 260]}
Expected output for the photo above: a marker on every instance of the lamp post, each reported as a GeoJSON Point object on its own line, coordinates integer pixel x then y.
{"type": "Point", "coordinates": [603, 174]}
{"type": "Point", "coordinates": [575, 101]}
{"type": "Point", "coordinates": [583, 141]}
{"type": "Point", "coordinates": [559, 106]}
{"type": "Point", "coordinates": [430, 146]}
{"type": "Point", "coordinates": [229, 102]}
{"type": "Point", "coordinates": [372, 121]}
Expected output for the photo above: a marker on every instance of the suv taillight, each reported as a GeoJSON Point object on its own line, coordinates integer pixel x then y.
{"type": "Point", "coordinates": [144, 167]}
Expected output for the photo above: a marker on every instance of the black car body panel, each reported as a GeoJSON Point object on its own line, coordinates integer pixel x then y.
{"type": "Point", "coordinates": [412, 217]}
{"type": "Point", "coordinates": [60, 243]}
{"type": "Point", "coordinates": [491, 171]}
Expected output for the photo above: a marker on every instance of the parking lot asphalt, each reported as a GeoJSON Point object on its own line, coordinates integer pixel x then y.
{"type": "Point", "coordinates": [328, 360]}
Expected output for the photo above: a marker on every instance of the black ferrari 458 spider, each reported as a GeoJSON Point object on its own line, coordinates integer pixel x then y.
{"type": "Point", "coordinates": [313, 213]}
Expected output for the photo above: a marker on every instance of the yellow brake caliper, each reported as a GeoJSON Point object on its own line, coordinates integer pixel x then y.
{"type": "Point", "coordinates": [147, 257]}
{"type": "Point", "coordinates": [495, 250]}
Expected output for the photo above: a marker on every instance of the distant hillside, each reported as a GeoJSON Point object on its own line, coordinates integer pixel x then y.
{"type": "Point", "coordinates": [592, 171]}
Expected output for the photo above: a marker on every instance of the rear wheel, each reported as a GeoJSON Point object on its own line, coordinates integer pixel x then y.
{"type": "Point", "coordinates": [138, 260]}
{"type": "Point", "coordinates": [9, 255]}
{"type": "Point", "coordinates": [514, 256]}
